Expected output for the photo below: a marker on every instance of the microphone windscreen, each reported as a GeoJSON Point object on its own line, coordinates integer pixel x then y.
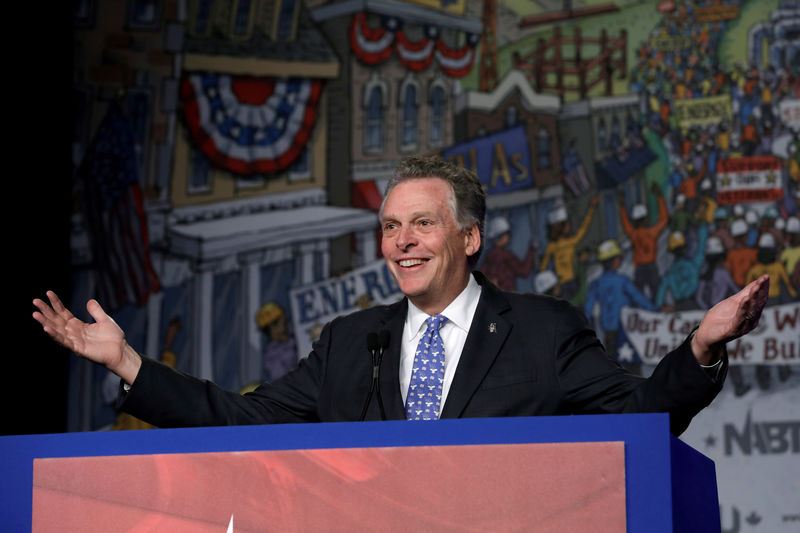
{"type": "Point", "coordinates": [383, 339]}
{"type": "Point", "coordinates": [372, 341]}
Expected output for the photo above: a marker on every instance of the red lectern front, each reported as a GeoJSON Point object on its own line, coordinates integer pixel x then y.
{"type": "Point", "coordinates": [605, 473]}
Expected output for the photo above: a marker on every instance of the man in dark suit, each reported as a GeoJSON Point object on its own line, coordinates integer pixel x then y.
{"type": "Point", "coordinates": [473, 349]}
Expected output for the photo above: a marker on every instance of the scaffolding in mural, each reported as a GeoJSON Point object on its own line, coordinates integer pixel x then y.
{"type": "Point", "coordinates": [562, 57]}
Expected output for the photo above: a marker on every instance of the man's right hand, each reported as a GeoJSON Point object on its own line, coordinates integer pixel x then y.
{"type": "Point", "coordinates": [102, 342]}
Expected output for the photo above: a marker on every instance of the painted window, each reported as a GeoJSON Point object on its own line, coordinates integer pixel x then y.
{"type": "Point", "coordinates": [437, 111]}
{"type": "Point", "coordinates": [202, 17]}
{"type": "Point", "coordinates": [241, 17]}
{"type": "Point", "coordinates": [602, 141]}
{"type": "Point", "coordinates": [373, 132]}
{"type": "Point", "coordinates": [285, 25]}
{"type": "Point", "coordinates": [409, 121]}
{"type": "Point", "coordinates": [199, 173]}
{"type": "Point", "coordinates": [543, 155]}
{"type": "Point", "coordinates": [143, 14]}
{"type": "Point", "coordinates": [512, 116]}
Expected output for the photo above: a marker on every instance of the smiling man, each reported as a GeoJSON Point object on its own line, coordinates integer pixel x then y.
{"type": "Point", "coordinates": [458, 345]}
{"type": "Point", "coordinates": [427, 250]}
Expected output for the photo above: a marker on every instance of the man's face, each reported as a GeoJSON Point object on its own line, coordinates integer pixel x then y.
{"type": "Point", "coordinates": [422, 245]}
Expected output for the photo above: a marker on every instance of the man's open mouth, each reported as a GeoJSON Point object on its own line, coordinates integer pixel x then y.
{"type": "Point", "coordinates": [411, 262]}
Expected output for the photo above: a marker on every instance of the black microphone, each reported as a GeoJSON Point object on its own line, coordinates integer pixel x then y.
{"type": "Point", "coordinates": [373, 346]}
{"type": "Point", "coordinates": [383, 343]}
{"type": "Point", "coordinates": [376, 344]}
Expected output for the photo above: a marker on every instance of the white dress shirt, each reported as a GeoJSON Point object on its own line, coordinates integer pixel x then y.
{"type": "Point", "coordinates": [453, 333]}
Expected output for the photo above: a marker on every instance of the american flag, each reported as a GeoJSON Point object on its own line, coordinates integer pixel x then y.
{"type": "Point", "coordinates": [114, 213]}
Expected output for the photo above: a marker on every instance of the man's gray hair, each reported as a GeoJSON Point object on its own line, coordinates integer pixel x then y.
{"type": "Point", "coordinates": [468, 201]}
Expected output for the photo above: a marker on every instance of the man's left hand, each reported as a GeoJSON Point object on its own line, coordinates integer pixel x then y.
{"type": "Point", "coordinates": [730, 319]}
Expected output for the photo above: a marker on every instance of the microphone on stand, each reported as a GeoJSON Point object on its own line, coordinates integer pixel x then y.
{"type": "Point", "coordinates": [376, 344]}
{"type": "Point", "coordinates": [383, 343]}
{"type": "Point", "coordinates": [372, 346]}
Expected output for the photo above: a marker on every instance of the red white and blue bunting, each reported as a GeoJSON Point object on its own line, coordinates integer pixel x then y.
{"type": "Point", "coordinates": [375, 45]}
{"type": "Point", "coordinates": [250, 125]}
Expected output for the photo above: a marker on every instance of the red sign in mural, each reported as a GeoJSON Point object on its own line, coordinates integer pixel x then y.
{"type": "Point", "coordinates": [749, 179]}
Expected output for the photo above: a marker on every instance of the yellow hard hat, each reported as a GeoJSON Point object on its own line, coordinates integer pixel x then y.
{"type": "Point", "coordinates": [269, 313]}
{"type": "Point", "coordinates": [608, 249]}
{"type": "Point", "coordinates": [676, 240]}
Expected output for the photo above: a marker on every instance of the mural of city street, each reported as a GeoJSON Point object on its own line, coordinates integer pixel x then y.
{"type": "Point", "coordinates": [641, 159]}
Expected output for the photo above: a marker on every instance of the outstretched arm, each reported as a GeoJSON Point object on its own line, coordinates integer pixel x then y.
{"type": "Point", "coordinates": [102, 342]}
{"type": "Point", "coordinates": [730, 319]}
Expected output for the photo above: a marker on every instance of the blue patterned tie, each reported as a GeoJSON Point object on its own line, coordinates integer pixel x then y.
{"type": "Point", "coordinates": [424, 398]}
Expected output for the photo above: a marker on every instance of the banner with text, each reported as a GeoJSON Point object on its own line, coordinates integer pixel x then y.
{"type": "Point", "coordinates": [316, 304]}
{"type": "Point", "coordinates": [774, 342]}
{"type": "Point", "coordinates": [749, 179]}
{"type": "Point", "coordinates": [703, 111]}
{"type": "Point", "coordinates": [716, 13]}
{"type": "Point", "coordinates": [501, 160]}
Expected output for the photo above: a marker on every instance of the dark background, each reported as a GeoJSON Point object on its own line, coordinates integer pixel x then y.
{"type": "Point", "coordinates": [38, 125]}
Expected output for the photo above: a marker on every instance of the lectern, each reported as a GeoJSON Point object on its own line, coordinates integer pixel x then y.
{"type": "Point", "coordinates": [583, 473]}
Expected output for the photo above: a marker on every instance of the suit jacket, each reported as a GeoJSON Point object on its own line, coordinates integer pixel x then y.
{"type": "Point", "coordinates": [525, 355]}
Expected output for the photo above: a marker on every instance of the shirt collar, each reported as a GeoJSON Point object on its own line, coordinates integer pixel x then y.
{"type": "Point", "coordinates": [459, 312]}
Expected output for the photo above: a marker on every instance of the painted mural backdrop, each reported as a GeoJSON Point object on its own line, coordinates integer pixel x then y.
{"type": "Point", "coordinates": [641, 159]}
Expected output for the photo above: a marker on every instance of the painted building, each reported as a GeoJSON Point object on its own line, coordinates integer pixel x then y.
{"type": "Point", "coordinates": [231, 104]}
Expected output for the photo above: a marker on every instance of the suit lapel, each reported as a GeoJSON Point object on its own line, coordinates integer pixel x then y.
{"type": "Point", "coordinates": [487, 333]}
{"type": "Point", "coordinates": [393, 322]}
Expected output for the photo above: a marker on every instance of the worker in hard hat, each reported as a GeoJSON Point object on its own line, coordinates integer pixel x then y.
{"type": "Point", "coordinates": [706, 204]}
{"type": "Point", "coordinates": [741, 257]}
{"type": "Point", "coordinates": [681, 218]}
{"type": "Point", "coordinates": [690, 185]}
{"type": "Point", "coordinates": [682, 277]}
{"type": "Point", "coordinates": [644, 238]}
{"type": "Point", "coordinates": [561, 248]}
{"type": "Point", "coordinates": [502, 266]}
{"type": "Point", "coordinates": [753, 226]}
{"type": "Point", "coordinates": [790, 257]}
{"type": "Point", "coordinates": [280, 352]}
{"type": "Point", "coordinates": [716, 284]}
{"type": "Point", "coordinates": [769, 218]}
{"type": "Point", "coordinates": [546, 282]}
{"type": "Point", "coordinates": [767, 262]}
{"type": "Point", "coordinates": [722, 227]}
{"type": "Point", "coordinates": [612, 291]}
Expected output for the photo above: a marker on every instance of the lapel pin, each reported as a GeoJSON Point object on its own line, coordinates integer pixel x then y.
{"type": "Point", "coordinates": [492, 327]}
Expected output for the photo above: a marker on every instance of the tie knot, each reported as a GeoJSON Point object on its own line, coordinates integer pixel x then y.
{"type": "Point", "coordinates": [435, 322]}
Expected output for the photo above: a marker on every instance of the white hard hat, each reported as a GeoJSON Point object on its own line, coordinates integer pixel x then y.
{"type": "Point", "coordinates": [497, 226]}
{"type": "Point", "coordinates": [766, 240]}
{"type": "Point", "coordinates": [544, 281]}
{"type": "Point", "coordinates": [780, 224]}
{"type": "Point", "coordinates": [751, 217]}
{"type": "Point", "coordinates": [714, 246]}
{"type": "Point", "coordinates": [680, 199]}
{"type": "Point", "coordinates": [638, 212]}
{"type": "Point", "coordinates": [705, 185]}
{"type": "Point", "coordinates": [793, 225]}
{"type": "Point", "coordinates": [739, 227]}
{"type": "Point", "coordinates": [738, 210]}
{"type": "Point", "coordinates": [559, 214]}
